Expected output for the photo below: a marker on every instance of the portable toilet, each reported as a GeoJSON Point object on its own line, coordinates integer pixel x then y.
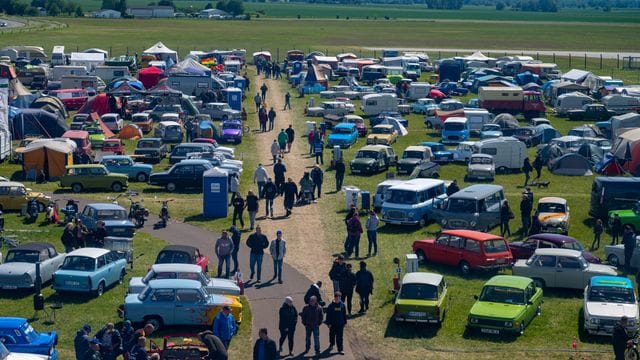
{"type": "Point", "coordinates": [352, 193]}
{"type": "Point", "coordinates": [214, 193]}
{"type": "Point", "coordinates": [310, 126]}
{"type": "Point", "coordinates": [240, 83]}
{"type": "Point", "coordinates": [412, 262]}
{"type": "Point", "coordinates": [365, 200]}
{"type": "Point", "coordinates": [296, 68]}
{"type": "Point", "coordinates": [234, 98]}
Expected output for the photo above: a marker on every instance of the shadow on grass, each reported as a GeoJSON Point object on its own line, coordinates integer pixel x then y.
{"type": "Point", "coordinates": [585, 337]}
{"type": "Point", "coordinates": [563, 293]}
{"type": "Point", "coordinates": [475, 334]}
{"type": "Point", "coordinates": [65, 298]}
{"type": "Point", "coordinates": [16, 294]}
{"type": "Point", "coordinates": [400, 330]}
{"type": "Point", "coordinates": [162, 190]}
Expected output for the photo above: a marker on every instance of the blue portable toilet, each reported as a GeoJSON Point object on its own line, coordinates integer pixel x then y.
{"type": "Point", "coordinates": [234, 97]}
{"type": "Point", "coordinates": [215, 185]}
{"type": "Point", "coordinates": [296, 68]}
{"type": "Point", "coordinates": [240, 83]}
{"type": "Point", "coordinates": [365, 198]}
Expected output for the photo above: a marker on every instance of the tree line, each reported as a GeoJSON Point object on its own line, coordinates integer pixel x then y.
{"type": "Point", "coordinates": [52, 7]}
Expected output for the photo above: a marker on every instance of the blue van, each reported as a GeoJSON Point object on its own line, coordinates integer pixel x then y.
{"type": "Point", "coordinates": [455, 130]}
{"type": "Point", "coordinates": [410, 202]}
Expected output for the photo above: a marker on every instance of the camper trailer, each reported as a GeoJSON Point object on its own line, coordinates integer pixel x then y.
{"type": "Point", "coordinates": [571, 101]}
{"type": "Point", "coordinates": [27, 52]}
{"type": "Point", "coordinates": [82, 82]}
{"type": "Point", "coordinates": [57, 56]}
{"type": "Point", "coordinates": [374, 104]}
{"type": "Point", "coordinates": [59, 71]}
{"type": "Point", "coordinates": [508, 152]}
{"type": "Point", "coordinates": [621, 104]}
{"type": "Point", "coordinates": [192, 84]}
{"type": "Point", "coordinates": [88, 60]}
{"type": "Point", "coordinates": [418, 90]}
{"type": "Point", "coordinates": [477, 118]}
{"type": "Point", "coordinates": [108, 73]}
{"type": "Point", "coordinates": [232, 66]}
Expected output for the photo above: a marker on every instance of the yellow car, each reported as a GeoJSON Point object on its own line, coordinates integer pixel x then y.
{"type": "Point", "coordinates": [13, 195]}
{"type": "Point", "coordinates": [382, 135]}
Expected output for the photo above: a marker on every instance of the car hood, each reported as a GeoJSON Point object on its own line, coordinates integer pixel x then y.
{"type": "Point", "coordinates": [159, 174]}
{"type": "Point", "coordinates": [339, 137]}
{"type": "Point", "coordinates": [232, 132]}
{"type": "Point", "coordinates": [362, 161]}
{"type": "Point", "coordinates": [17, 268]}
{"type": "Point", "coordinates": [25, 356]}
{"type": "Point", "coordinates": [602, 269]}
{"type": "Point", "coordinates": [612, 310]}
{"type": "Point", "coordinates": [37, 194]}
{"type": "Point", "coordinates": [546, 218]}
{"type": "Point", "coordinates": [496, 310]}
{"type": "Point", "coordinates": [409, 161]}
{"type": "Point", "coordinates": [481, 167]}
{"type": "Point", "coordinates": [623, 213]}
{"type": "Point", "coordinates": [315, 108]}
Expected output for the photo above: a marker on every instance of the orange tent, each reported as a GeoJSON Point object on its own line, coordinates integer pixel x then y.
{"type": "Point", "coordinates": [130, 131]}
{"type": "Point", "coordinates": [48, 157]}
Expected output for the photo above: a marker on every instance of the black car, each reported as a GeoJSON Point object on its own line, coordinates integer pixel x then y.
{"type": "Point", "coordinates": [183, 175]}
{"type": "Point", "coordinates": [594, 112]}
{"type": "Point", "coordinates": [525, 134]}
{"type": "Point", "coordinates": [151, 150]}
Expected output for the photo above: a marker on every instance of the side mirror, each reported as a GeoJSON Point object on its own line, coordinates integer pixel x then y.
{"type": "Point", "coordinates": [529, 302]}
{"type": "Point", "coordinates": [475, 297]}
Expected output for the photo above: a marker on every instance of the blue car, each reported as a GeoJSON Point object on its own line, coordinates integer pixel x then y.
{"type": "Point", "coordinates": [343, 135]}
{"type": "Point", "coordinates": [124, 164]}
{"type": "Point", "coordinates": [115, 218]}
{"type": "Point", "coordinates": [440, 154]}
{"type": "Point", "coordinates": [90, 270]}
{"type": "Point", "coordinates": [18, 336]}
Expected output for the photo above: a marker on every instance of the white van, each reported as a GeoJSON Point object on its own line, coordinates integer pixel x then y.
{"type": "Point", "coordinates": [57, 56]}
{"type": "Point", "coordinates": [571, 101]}
{"type": "Point", "coordinates": [508, 152]}
{"type": "Point", "coordinates": [108, 73]}
{"type": "Point", "coordinates": [418, 90]}
{"type": "Point", "coordinates": [374, 104]}
{"type": "Point", "coordinates": [477, 118]}
{"type": "Point", "coordinates": [410, 202]}
{"type": "Point", "coordinates": [61, 70]}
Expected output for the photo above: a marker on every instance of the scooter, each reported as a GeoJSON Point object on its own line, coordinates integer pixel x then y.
{"type": "Point", "coordinates": [50, 212]}
{"type": "Point", "coordinates": [164, 213]}
{"type": "Point", "coordinates": [33, 210]}
{"type": "Point", "coordinates": [138, 213]}
{"type": "Point", "coordinates": [632, 348]}
{"type": "Point", "coordinates": [70, 211]}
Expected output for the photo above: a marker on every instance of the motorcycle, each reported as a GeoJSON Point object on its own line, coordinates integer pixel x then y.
{"type": "Point", "coordinates": [50, 213]}
{"type": "Point", "coordinates": [70, 211]}
{"type": "Point", "coordinates": [164, 213]}
{"type": "Point", "coordinates": [631, 353]}
{"type": "Point", "coordinates": [138, 213]}
{"type": "Point", "coordinates": [33, 209]}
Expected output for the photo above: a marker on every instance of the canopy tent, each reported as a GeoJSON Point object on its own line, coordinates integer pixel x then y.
{"type": "Point", "coordinates": [161, 52]}
{"type": "Point", "coordinates": [162, 89]}
{"type": "Point", "coordinates": [506, 121]}
{"type": "Point", "coordinates": [626, 148]}
{"type": "Point", "coordinates": [571, 165]}
{"type": "Point", "coordinates": [190, 66]}
{"type": "Point", "coordinates": [264, 55]}
{"type": "Point", "coordinates": [37, 122]}
{"type": "Point", "coordinates": [478, 56]}
{"type": "Point", "coordinates": [149, 77]}
{"type": "Point", "coordinates": [47, 157]}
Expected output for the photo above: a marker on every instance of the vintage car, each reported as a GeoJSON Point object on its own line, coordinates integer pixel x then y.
{"type": "Point", "coordinates": [113, 121]}
{"type": "Point", "coordinates": [90, 270]}
{"type": "Point", "coordinates": [525, 134]}
{"type": "Point", "coordinates": [184, 271]}
{"type": "Point", "coordinates": [440, 154]}
{"type": "Point", "coordinates": [218, 160]}
{"type": "Point", "coordinates": [481, 167]}
{"type": "Point", "coordinates": [185, 174]}
{"type": "Point", "coordinates": [525, 249]}
{"type": "Point", "coordinates": [337, 91]}
{"type": "Point", "coordinates": [490, 131]}
{"type": "Point", "coordinates": [426, 170]}
{"type": "Point", "coordinates": [463, 151]}
{"type": "Point", "coordinates": [160, 109]}
{"type": "Point", "coordinates": [124, 164]}
{"type": "Point", "coordinates": [412, 156]}
{"type": "Point", "coordinates": [358, 121]}
{"type": "Point", "coordinates": [328, 107]}
{"type": "Point", "coordinates": [114, 216]}
{"type": "Point", "coordinates": [343, 135]}
{"type": "Point", "coordinates": [183, 254]}
{"type": "Point", "coordinates": [372, 158]}
{"type": "Point", "coordinates": [553, 213]}
{"type": "Point", "coordinates": [19, 337]}
{"type": "Point", "coordinates": [14, 195]}
{"type": "Point", "coordinates": [507, 304]}
{"type": "Point", "coordinates": [615, 255]}
{"type": "Point", "coordinates": [591, 112]}
{"type": "Point", "coordinates": [183, 347]}
{"type": "Point", "coordinates": [157, 303]}
{"type": "Point", "coordinates": [231, 131]}
{"type": "Point", "coordinates": [425, 106]}
{"type": "Point", "coordinates": [560, 268]}
{"type": "Point", "coordinates": [113, 146]}
{"type": "Point", "coordinates": [19, 268]}
{"type": "Point", "coordinates": [169, 130]}
{"type": "Point", "coordinates": [382, 134]}
{"type": "Point", "coordinates": [629, 217]}
{"type": "Point", "coordinates": [468, 250]}
{"type": "Point", "coordinates": [220, 111]}
{"type": "Point", "coordinates": [96, 135]}
{"type": "Point", "coordinates": [351, 107]}
{"type": "Point", "coordinates": [143, 121]}
{"type": "Point", "coordinates": [606, 300]}
{"type": "Point", "coordinates": [5, 354]}
{"type": "Point", "coordinates": [93, 176]}
{"type": "Point", "coordinates": [151, 150]}
{"type": "Point", "coordinates": [423, 298]}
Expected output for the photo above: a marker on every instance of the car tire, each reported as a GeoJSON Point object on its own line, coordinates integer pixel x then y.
{"type": "Point", "coordinates": [76, 188]}
{"type": "Point", "coordinates": [423, 221]}
{"type": "Point", "coordinates": [155, 321]}
{"type": "Point", "coordinates": [465, 268]}
{"type": "Point", "coordinates": [539, 283]}
{"type": "Point", "coordinates": [171, 187]}
{"type": "Point", "coordinates": [121, 278]}
{"type": "Point", "coordinates": [613, 260]}
{"type": "Point", "coordinates": [141, 177]}
{"type": "Point", "coordinates": [421, 256]}
{"type": "Point", "coordinates": [116, 187]}
{"type": "Point", "coordinates": [100, 289]}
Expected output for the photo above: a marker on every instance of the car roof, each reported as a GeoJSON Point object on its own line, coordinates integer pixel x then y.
{"type": "Point", "coordinates": [75, 134]}
{"type": "Point", "coordinates": [190, 268]}
{"type": "Point", "coordinates": [374, 147]}
{"type": "Point", "coordinates": [345, 125]}
{"type": "Point", "coordinates": [477, 191]}
{"type": "Point", "coordinates": [113, 157]}
{"type": "Point", "coordinates": [106, 206]}
{"type": "Point", "coordinates": [89, 252]}
{"type": "Point", "coordinates": [174, 284]}
{"type": "Point", "coordinates": [558, 252]}
{"type": "Point", "coordinates": [471, 234]}
{"type": "Point", "coordinates": [169, 123]}
{"type": "Point", "coordinates": [150, 139]}
{"type": "Point", "coordinates": [11, 322]}
{"type": "Point", "coordinates": [33, 246]}
{"type": "Point", "coordinates": [554, 238]}
{"type": "Point", "coordinates": [384, 126]}
{"type": "Point", "coordinates": [611, 281]}
{"type": "Point", "coordinates": [180, 248]}
{"type": "Point", "coordinates": [422, 278]}
{"type": "Point", "coordinates": [11, 183]}
{"type": "Point", "coordinates": [193, 162]}
{"type": "Point", "coordinates": [417, 184]}
{"type": "Point", "coordinates": [416, 148]}
{"type": "Point", "coordinates": [518, 282]}
{"type": "Point", "coordinates": [552, 200]}
{"type": "Point", "coordinates": [456, 119]}
{"type": "Point", "coordinates": [85, 166]}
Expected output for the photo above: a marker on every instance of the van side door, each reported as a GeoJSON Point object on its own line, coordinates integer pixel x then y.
{"type": "Point", "coordinates": [490, 212]}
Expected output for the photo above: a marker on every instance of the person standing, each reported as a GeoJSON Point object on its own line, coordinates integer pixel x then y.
{"type": "Point", "coordinates": [262, 119]}
{"type": "Point", "coordinates": [111, 342]}
{"type": "Point", "coordinates": [318, 148]}
{"type": "Point", "coordinates": [317, 176]}
{"type": "Point", "coordinates": [526, 169]}
{"type": "Point", "coordinates": [306, 187]}
{"type": "Point", "coordinates": [278, 250]}
{"type": "Point", "coordinates": [310, 136]}
{"type": "Point", "coordinates": [214, 345]}
{"type": "Point", "coordinates": [347, 283]}
{"type": "Point", "coordinates": [279, 169]}
{"type": "Point", "coordinates": [338, 268]}
{"type": "Point", "coordinates": [236, 237]}
{"type": "Point", "coordinates": [79, 232]}
{"type": "Point", "coordinates": [505, 217]}
{"type": "Point", "coordinates": [81, 343]}
{"type": "Point", "coordinates": [263, 91]}
{"type": "Point", "coordinates": [282, 141]}
{"type": "Point", "coordinates": [287, 101]}
{"type": "Point", "coordinates": [453, 188]}
{"type": "Point", "coordinates": [314, 291]}
{"type": "Point", "coordinates": [537, 165]}
{"type": "Point", "coordinates": [275, 150]}
{"type": "Point", "coordinates": [68, 238]}
{"type": "Point", "coordinates": [336, 320]}
{"type": "Point", "coordinates": [290, 193]}
{"type": "Point", "coordinates": [347, 241]}
{"type": "Point", "coordinates": [260, 177]}
{"type": "Point", "coordinates": [257, 242]}
{"type": "Point", "coordinates": [264, 348]}
{"type": "Point", "coordinates": [287, 321]}
{"type": "Point", "coordinates": [234, 187]}
{"type": "Point", "coordinates": [616, 228]}
{"type": "Point", "coordinates": [364, 286]}
{"type": "Point", "coordinates": [629, 241]}
{"type": "Point", "coordinates": [258, 100]}
{"type": "Point", "coordinates": [238, 208]}
{"type": "Point", "coordinates": [223, 250]}
{"type": "Point", "coordinates": [291, 135]}
{"type": "Point", "coordinates": [620, 337]}
{"type": "Point", "coordinates": [272, 118]}
{"type": "Point", "coordinates": [99, 233]}
{"type": "Point", "coordinates": [526, 206]}
{"type": "Point", "coordinates": [312, 317]}
{"type": "Point", "coordinates": [270, 193]}
{"type": "Point", "coordinates": [354, 228]}
{"type": "Point", "coordinates": [188, 127]}
{"type": "Point", "coordinates": [372, 232]}
{"type": "Point", "coordinates": [126, 333]}
{"type": "Point", "coordinates": [598, 228]}
{"type": "Point", "coordinates": [340, 170]}
{"type": "Point", "coordinates": [224, 326]}
{"type": "Point", "coordinates": [253, 204]}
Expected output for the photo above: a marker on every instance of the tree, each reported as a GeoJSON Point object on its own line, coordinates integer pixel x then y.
{"type": "Point", "coordinates": [235, 7]}
{"type": "Point", "coordinates": [166, 3]}
{"type": "Point", "coordinates": [208, 6]}
{"type": "Point", "coordinates": [221, 5]}
{"type": "Point", "coordinates": [121, 5]}
{"type": "Point", "coordinates": [54, 10]}
{"type": "Point", "coordinates": [108, 4]}
{"type": "Point", "coordinates": [79, 12]}
{"type": "Point", "coordinates": [500, 6]}
{"type": "Point", "coordinates": [38, 3]}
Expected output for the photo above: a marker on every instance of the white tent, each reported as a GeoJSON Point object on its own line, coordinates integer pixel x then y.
{"type": "Point", "coordinates": [160, 51]}
{"type": "Point", "coordinates": [388, 120]}
{"type": "Point", "coordinates": [88, 60]}
{"type": "Point", "coordinates": [478, 56]}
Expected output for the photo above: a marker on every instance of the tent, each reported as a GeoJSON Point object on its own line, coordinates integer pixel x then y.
{"type": "Point", "coordinates": [88, 60]}
{"type": "Point", "coordinates": [149, 77]}
{"type": "Point", "coordinates": [125, 84]}
{"type": "Point", "coordinates": [265, 55]}
{"type": "Point", "coordinates": [591, 152]}
{"type": "Point", "coordinates": [190, 66]}
{"type": "Point", "coordinates": [51, 104]}
{"type": "Point", "coordinates": [622, 123]}
{"type": "Point", "coordinates": [627, 147]}
{"type": "Point", "coordinates": [100, 104]}
{"type": "Point", "coordinates": [570, 165]}
{"type": "Point", "coordinates": [49, 157]}
{"type": "Point", "coordinates": [550, 152]}
{"type": "Point", "coordinates": [161, 52]}
{"type": "Point", "coordinates": [130, 131]}
{"type": "Point", "coordinates": [506, 121]}
{"type": "Point", "coordinates": [545, 133]}
{"type": "Point", "coordinates": [37, 122]}
{"type": "Point", "coordinates": [575, 76]}
{"type": "Point", "coordinates": [314, 80]}
{"type": "Point", "coordinates": [478, 56]}
{"type": "Point", "coordinates": [400, 129]}
{"type": "Point", "coordinates": [609, 166]}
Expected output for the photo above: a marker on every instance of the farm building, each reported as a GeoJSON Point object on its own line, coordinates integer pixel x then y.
{"type": "Point", "coordinates": [151, 12]}
{"type": "Point", "coordinates": [106, 14]}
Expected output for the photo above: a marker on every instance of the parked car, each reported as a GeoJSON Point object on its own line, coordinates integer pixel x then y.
{"type": "Point", "coordinates": [93, 176]}
{"type": "Point", "coordinates": [343, 135]}
{"type": "Point", "coordinates": [231, 131]}
{"type": "Point", "coordinates": [14, 196]}
{"type": "Point", "coordinates": [328, 107]}
{"type": "Point", "coordinates": [123, 164]}
{"type": "Point", "coordinates": [462, 152]}
{"type": "Point", "coordinates": [19, 268]}
{"type": "Point", "coordinates": [606, 300]}
{"type": "Point", "coordinates": [382, 193]}
{"type": "Point", "coordinates": [426, 170]}
{"type": "Point", "coordinates": [560, 268]}
{"type": "Point", "coordinates": [90, 270]}
{"type": "Point", "coordinates": [376, 120]}
{"type": "Point", "coordinates": [184, 271]}
{"type": "Point", "coordinates": [113, 146]}
{"type": "Point", "coordinates": [358, 121]}
{"type": "Point", "coordinates": [81, 138]}
{"type": "Point", "coordinates": [5, 354]}
{"type": "Point", "coordinates": [603, 144]}
{"type": "Point", "coordinates": [169, 131]}
{"type": "Point", "coordinates": [115, 218]}
{"type": "Point", "coordinates": [233, 167]}
{"type": "Point", "coordinates": [591, 112]}
{"type": "Point", "coordinates": [425, 106]}
{"type": "Point", "coordinates": [183, 254]}
{"type": "Point", "coordinates": [338, 91]}
{"type": "Point", "coordinates": [183, 175]}
{"type": "Point", "coordinates": [143, 121]}
{"type": "Point", "coordinates": [440, 153]}
{"type": "Point", "coordinates": [410, 202]}
{"type": "Point", "coordinates": [554, 214]}
{"type": "Point", "coordinates": [151, 150]}
{"type": "Point", "coordinates": [181, 152]}
{"type": "Point", "coordinates": [372, 159]}
{"type": "Point", "coordinates": [615, 255]}
{"type": "Point", "coordinates": [157, 303]}
{"type": "Point", "coordinates": [507, 304]}
{"type": "Point", "coordinates": [18, 336]}
{"type": "Point", "coordinates": [525, 249]}
{"type": "Point", "coordinates": [490, 131]}
{"type": "Point", "coordinates": [423, 298]}
{"type": "Point", "coordinates": [382, 134]}
{"type": "Point", "coordinates": [476, 207]}
{"type": "Point", "coordinates": [113, 122]}
{"type": "Point", "coordinates": [220, 111]}
{"type": "Point", "coordinates": [412, 156]}
{"type": "Point", "coordinates": [96, 135]}
{"type": "Point", "coordinates": [481, 167]}
{"type": "Point", "coordinates": [158, 110]}
{"type": "Point", "coordinates": [525, 134]}
{"type": "Point", "coordinates": [466, 249]}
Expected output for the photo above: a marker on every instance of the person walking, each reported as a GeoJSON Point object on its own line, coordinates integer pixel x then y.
{"type": "Point", "coordinates": [253, 205]}
{"type": "Point", "coordinates": [526, 206]}
{"type": "Point", "coordinates": [620, 337]}
{"type": "Point", "coordinates": [270, 193]}
{"type": "Point", "coordinates": [317, 176]}
{"type": "Point", "coordinates": [265, 348]}
{"type": "Point", "coordinates": [371, 225]}
{"type": "Point", "coordinates": [260, 177]}
{"type": "Point", "coordinates": [283, 139]}
{"type": "Point", "coordinates": [314, 291]}
{"type": "Point", "coordinates": [110, 341]}
{"type": "Point", "coordinates": [188, 127]}
{"type": "Point", "coordinates": [263, 118]}
{"type": "Point", "coordinates": [263, 91]}
{"type": "Point", "coordinates": [279, 170]}
{"type": "Point", "coordinates": [272, 118]}
{"type": "Point", "coordinates": [364, 286]}
{"type": "Point", "coordinates": [340, 170]}
{"type": "Point", "coordinates": [598, 228]}
{"type": "Point", "coordinates": [347, 283]}
{"type": "Point", "coordinates": [234, 187]}
{"type": "Point", "coordinates": [287, 101]}
{"type": "Point", "coordinates": [338, 268]}
{"type": "Point", "coordinates": [537, 165]}
{"type": "Point", "coordinates": [275, 150]}
{"type": "Point", "coordinates": [236, 237]}
{"type": "Point", "coordinates": [290, 194]}
{"type": "Point", "coordinates": [225, 326]}
{"type": "Point", "coordinates": [257, 242]}
{"type": "Point", "coordinates": [278, 250]}
{"type": "Point", "coordinates": [291, 135]}
{"type": "Point", "coordinates": [318, 148]}
{"type": "Point", "coordinates": [616, 228]}
{"type": "Point", "coordinates": [238, 208]}
{"type": "Point", "coordinates": [526, 169]}
{"type": "Point", "coordinates": [354, 228]}
{"type": "Point", "coordinates": [306, 187]}
{"type": "Point", "coordinates": [214, 345]}
{"type": "Point", "coordinates": [347, 241]}
{"type": "Point", "coordinates": [336, 320]}
{"type": "Point", "coordinates": [258, 100]}
{"type": "Point", "coordinates": [312, 317]}
{"type": "Point", "coordinates": [505, 217]}
{"type": "Point", "coordinates": [310, 140]}
{"type": "Point", "coordinates": [223, 250]}
{"type": "Point", "coordinates": [287, 321]}
{"type": "Point", "coordinates": [629, 242]}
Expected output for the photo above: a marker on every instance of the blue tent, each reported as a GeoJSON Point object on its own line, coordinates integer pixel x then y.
{"type": "Point", "coordinates": [124, 85]}
{"type": "Point", "coordinates": [527, 77]}
{"type": "Point", "coordinates": [545, 133]}
{"type": "Point", "coordinates": [37, 122]}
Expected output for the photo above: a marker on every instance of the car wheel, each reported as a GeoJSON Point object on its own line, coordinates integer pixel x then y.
{"type": "Point", "coordinates": [631, 354]}
{"type": "Point", "coordinates": [539, 283]}
{"type": "Point", "coordinates": [423, 221]}
{"type": "Point", "coordinates": [465, 268]}
{"type": "Point", "coordinates": [76, 188]}
{"type": "Point", "coordinates": [171, 187]}
{"type": "Point", "coordinates": [154, 321]}
{"type": "Point", "coordinates": [116, 187]}
{"type": "Point", "coordinates": [142, 177]}
{"type": "Point", "coordinates": [613, 260]}
{"type": "Point", "coordinates": [121, 278]}
{"type": "Point", "coordinates": [521, 331]}
{"type": "Point", "coordinates": [421, 257]}
{"type": "Point", "coordinates": [100, 289]}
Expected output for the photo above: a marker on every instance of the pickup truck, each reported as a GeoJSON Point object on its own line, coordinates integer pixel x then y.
{"type": "Point", "coordinates": [594, 112]}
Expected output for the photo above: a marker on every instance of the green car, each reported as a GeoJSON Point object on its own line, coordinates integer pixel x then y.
{"type": "Point", "coordinates": [628, 216]}
{"type": "Point", "coordinates": [507, 304]}
{"type": "Point", "coordinates": [96, 136]}
{"type": "Point", "coordinates": [93, 176]}
{"type": "Point", "coordinates": [423, 298]}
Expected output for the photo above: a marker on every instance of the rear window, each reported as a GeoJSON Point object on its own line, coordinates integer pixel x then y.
{"type": "Point", "coordinates": [495, 246]}
{"type": "Point", "coordinates": [419, 292]}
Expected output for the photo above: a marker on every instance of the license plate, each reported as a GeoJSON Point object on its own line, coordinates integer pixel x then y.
{"type": "Point", "coordinates": [72, 283]}
{"type": "Point", "coordinates": [355, 171]}
{"type": "Point", "coordinates": [490, 331]}
{"type": "Point", "coordinates": [9, 287]}
{"type": "Point", "coordinates": [118, 230]}
{"type": "Point", "coordinates": [417, 314]}
{"type": "Point", "coordinates": [500, 261]}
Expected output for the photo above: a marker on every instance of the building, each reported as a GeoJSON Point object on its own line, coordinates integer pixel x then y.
{"type": "Point", "coordinates": [151, 12]}
{"type": "Point", "coordinates": [211, 13]}
{"type": "Point", "coordinates": [106, 14]}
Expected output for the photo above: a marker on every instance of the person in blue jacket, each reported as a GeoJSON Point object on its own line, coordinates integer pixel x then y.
{"type": "Point", "coordinates": [224, 326]}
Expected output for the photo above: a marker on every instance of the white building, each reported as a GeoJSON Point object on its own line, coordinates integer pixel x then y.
{"type": "Point", "coordinates": [106, 14]}
{"type": "Point", "coordinates": [211, 13]}
{"type": "Point", "coordinates": [151, 12]}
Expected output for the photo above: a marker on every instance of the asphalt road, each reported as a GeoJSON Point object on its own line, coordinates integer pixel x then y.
{"type": "Point", "coordinates": [11, 24]}
{"type": "Point", "coordinates": [495, 52]}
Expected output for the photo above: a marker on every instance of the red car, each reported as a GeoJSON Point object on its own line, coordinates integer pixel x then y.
{"type": "Point", "coordinates": [468, 250]}
{"type": "Point", "coordinates": [114, 146]}
{"type": "Point", "coordinates": [183, 254]}
{"type": "Point", "coordinates": [81, 138]}
{"type": "Point", "coordinates": [205, 140]}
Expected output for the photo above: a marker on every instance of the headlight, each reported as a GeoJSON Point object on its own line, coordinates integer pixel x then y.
{"type": "Point", "coordinates": [472, 223]}
{"type": "Point", "coordinates": [508, 323]}
{"type": "Point", "coordinates": [444, 222]}
{"type": "Point", "coordinates": [473, 320]}
{"type": "Point", "coordinates": [594, 321]}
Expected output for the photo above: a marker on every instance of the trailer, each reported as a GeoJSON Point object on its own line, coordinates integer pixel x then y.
{"type": "Point", "coordinates": [511, 100]}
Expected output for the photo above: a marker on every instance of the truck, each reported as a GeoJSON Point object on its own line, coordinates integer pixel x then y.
{"type": "Point", "coordinates": [513, 100]}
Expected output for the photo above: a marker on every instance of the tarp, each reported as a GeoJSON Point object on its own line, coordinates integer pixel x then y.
{"type": "Point", "coordinates": [130, 131]}
{"type": "Point", "coordinates": [570, 165]}
{"type": "Point", "coordinates": [575, 75]}
{"type": "Point", "coordinates": [161, 52]}
{"type": "Point", "coordinates": [506, 121]}
{"type": "Point", "coordinates": [51, 104]}
{"type": "Point", "coordinates": [190, 66]}
{"type": "Point", "coordinates": [546, 133]}
{"type": "Point", "coordinates": [550, 152]}
{"type": "Point", "coordinates": [402, 131]}
{"type": "Point", "coordinates": [126, 84]}
{"type": "Point", "coordinates": [99, 104]}
{"type": "Point", "coordinates": [48, 157]}
{"type": "Point", "coordinates": [622, 123]}
{"type": "Point", "coordinates": [149, 77]}
{"type": "Point", "coordinates": [591, 152]}
{"type": "Point", "coordinates": [37, 122]}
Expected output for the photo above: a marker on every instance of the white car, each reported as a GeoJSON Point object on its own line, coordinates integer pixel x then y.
{"type": "Point", "coordinates": [481, 167]}
{"type": "Point", "coordinates": [112, 121]}
{"type": "Point", "coordinates": [183, 271]}
{"type": "Point", "coordinates": [328, 107]}
{"type": "Point", "coordinates": [5, 354]}
{"type": "Point", "coordinates": [606, 300]}
{"type": "Point", "coordinates": [553, 213]}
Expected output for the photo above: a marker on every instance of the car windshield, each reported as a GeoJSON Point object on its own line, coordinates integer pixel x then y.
{"type": "Point", "coordinates": [450, 106]}
{"type": "Point", "coordinates": [25, 256]}
{"type": "Point", "coordinates": [402, 197]}
{"type": "Point", "coordinates": [382, 130]}
{"type": "Point", "coordinates": [437, 147]}
{"type": "Point", "coordinates": [29, 332]}
{"type": "Point", "coordinates": [524, 132]}
{"type": "Point", "coordinates": [462, 206]}
{"type": "Point", "coordinates": [145, 293]}
{"type": "Point", "coordinates": [551, 208]}
{"type": "Point", "coordinates": [367, 155]}
{"type": "Point", "coordinates": [79, 263]}
{"type": "Point", "coordinates": [413, 155]}
{"type": "Point", "coordinates": [502, 294]}
{"type": "Point", "coordinates": [140, 118]}
{"type": "Point", "coordinates": [495, 246]}
{"type": "Point", "coordinates": [342, 131]}
{"type": "Point", "coordinates": [612, 294]}
{"type": "Point", "coordinates": [231, 125]}
{"type": "Point", "coordinates": [111, 215]}
{"type": "Point", "coordinates": [481, 160]}
{"type": "Point", "coordinates": [419, 292]}
{"type": "Point", "coordinates": [490, 127]}
{"type": "Point", "coordinates": [148, 144]}
{"type": "Point", "coordinates": [455, 126]}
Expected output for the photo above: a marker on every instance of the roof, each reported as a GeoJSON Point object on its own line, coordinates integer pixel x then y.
{"type": "Point", "coordinates": [482, 156]}
{"type": "Point", "coordinates": [518, 282]}
{"type": "Point", "coordinates": [11, 322]}
{"type": "Point", "coordinates": [106, 206]}
{"type": "Point", "coordinates": [345, 125]}
{"type": "Point", "coordinates": [422, 278]}
{"type": "Point", "coordinates": [194, 162]}
{"type": "Point", "coordinates": [83, 166]}
{"type": "Point", "coordinates": [553, 200]}
{"type": "Point", "coordinates": [11, 183]}
{"type": "Point", "coordinates": [72, 134]}
{"type": "Point", "coordinates": [611, 281]}
{"type": "Point", "coordinates": [33, 246]}
{"type": "Point", "coordinates": [554, 238]}
{"type": "Point", "coordinates": [456, 119]}
{"type": "Point", "coordinates": [417, 184]}
{"type": "Point", "coordinates": [384, 126]}
{"type": "Point", "coordinates": [174, 284]}
{"type": "Point", "coordinates": [558, 252]}
{"type": "Point", "coordinates": [477, 191]}
{"type": "Point", "coordinates": [181, 248]}
{"type": "Point", "coordinates": [187, 268]}
{"type": "Point", "coordinates": [471, 234]}
{"type": "Point", "coordinates": [374, 147]}
{"type": "Point", "coordinates": [170, 123]}
{"type": "Point", "coordinates": [416, 148]}
{"type": "Point", "coordinates": [88, 252]}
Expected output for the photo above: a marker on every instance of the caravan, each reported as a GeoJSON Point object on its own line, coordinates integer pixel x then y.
{"type": "Point", "coordinates": [374, 104]}
{"type": "Point", "coordinates": [508, 152]}
{"type": "Point", "coordinates": [27, 52]}
{"type": "Point", "coordinates": [571, 101]}
{"type": "Point", "coordinates": [108, 73]}
{"type": "Point", "coordinates": [57, 56]}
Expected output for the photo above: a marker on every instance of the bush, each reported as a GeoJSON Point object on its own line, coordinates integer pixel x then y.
{"type": "Point", "coordinates": [500, 6]}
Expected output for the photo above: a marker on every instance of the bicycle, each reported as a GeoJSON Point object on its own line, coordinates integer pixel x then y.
{"type": "Point", "coordinates": [8, 242]}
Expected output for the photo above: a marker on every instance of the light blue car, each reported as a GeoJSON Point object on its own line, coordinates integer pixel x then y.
{"type": "Point", "coordinates": [124, 164]}
{"type": "Point", "coordinates": [115, 218]}
{"type": "Point", "coordinates": [89, 270]}
{"type": "Point", "coordinates": [425, 106]}
{"type": "Point", "coordinates": [343, 135]}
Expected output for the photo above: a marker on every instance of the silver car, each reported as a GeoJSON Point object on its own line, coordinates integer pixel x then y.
{"type": "Point", "coordinates": [481, 167]}
{"type": "Point", "coordinates": [19, 269]}
{"type": "Point", "coordinates": [183, 271]}
{"type": "Point", "coordinates": [615, 255]}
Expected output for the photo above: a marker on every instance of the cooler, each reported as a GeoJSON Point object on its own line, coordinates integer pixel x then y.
{"type": "Point", "coordinates": [412, 262]}
{"type": "Point", "coordinates": [365, 200]}
{"type": "Point", "coordinates": [352, 193]}
{"type": "Point", "coordinates": [214, 193]}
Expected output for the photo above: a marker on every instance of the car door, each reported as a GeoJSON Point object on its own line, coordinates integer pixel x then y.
{"type": "Point", "coordinates": [543, 267]}
{"type": "Point", "coordinates": [198, 170]}
{"type": "Point", "coordinates": [162, 303]}
{"type": "Point", "coordinates": [569, 273]}
{"type": "Point", "coordinates": [438, 252]}
{"type": "Point", "coordinates": [97, 178]}
{"type": "Point", "coordinates": [126, 166]}
{"type": "Point", "coordinates": [87, 216]}
{"type": "Point", "coordinates": [102, 272]}
{"type": "Point", "coordinates": [454, 250]}
{"type": "Point", "coordinates": [112, 268]}
{"type": "Point", "coordinates": [190, 307]}
{"type": "Point", "coordinates": [46, 264]}
{"type": "Point", "coordinates": [530, 306]}
{"type": "Point", "coordinates": [183, 175]}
